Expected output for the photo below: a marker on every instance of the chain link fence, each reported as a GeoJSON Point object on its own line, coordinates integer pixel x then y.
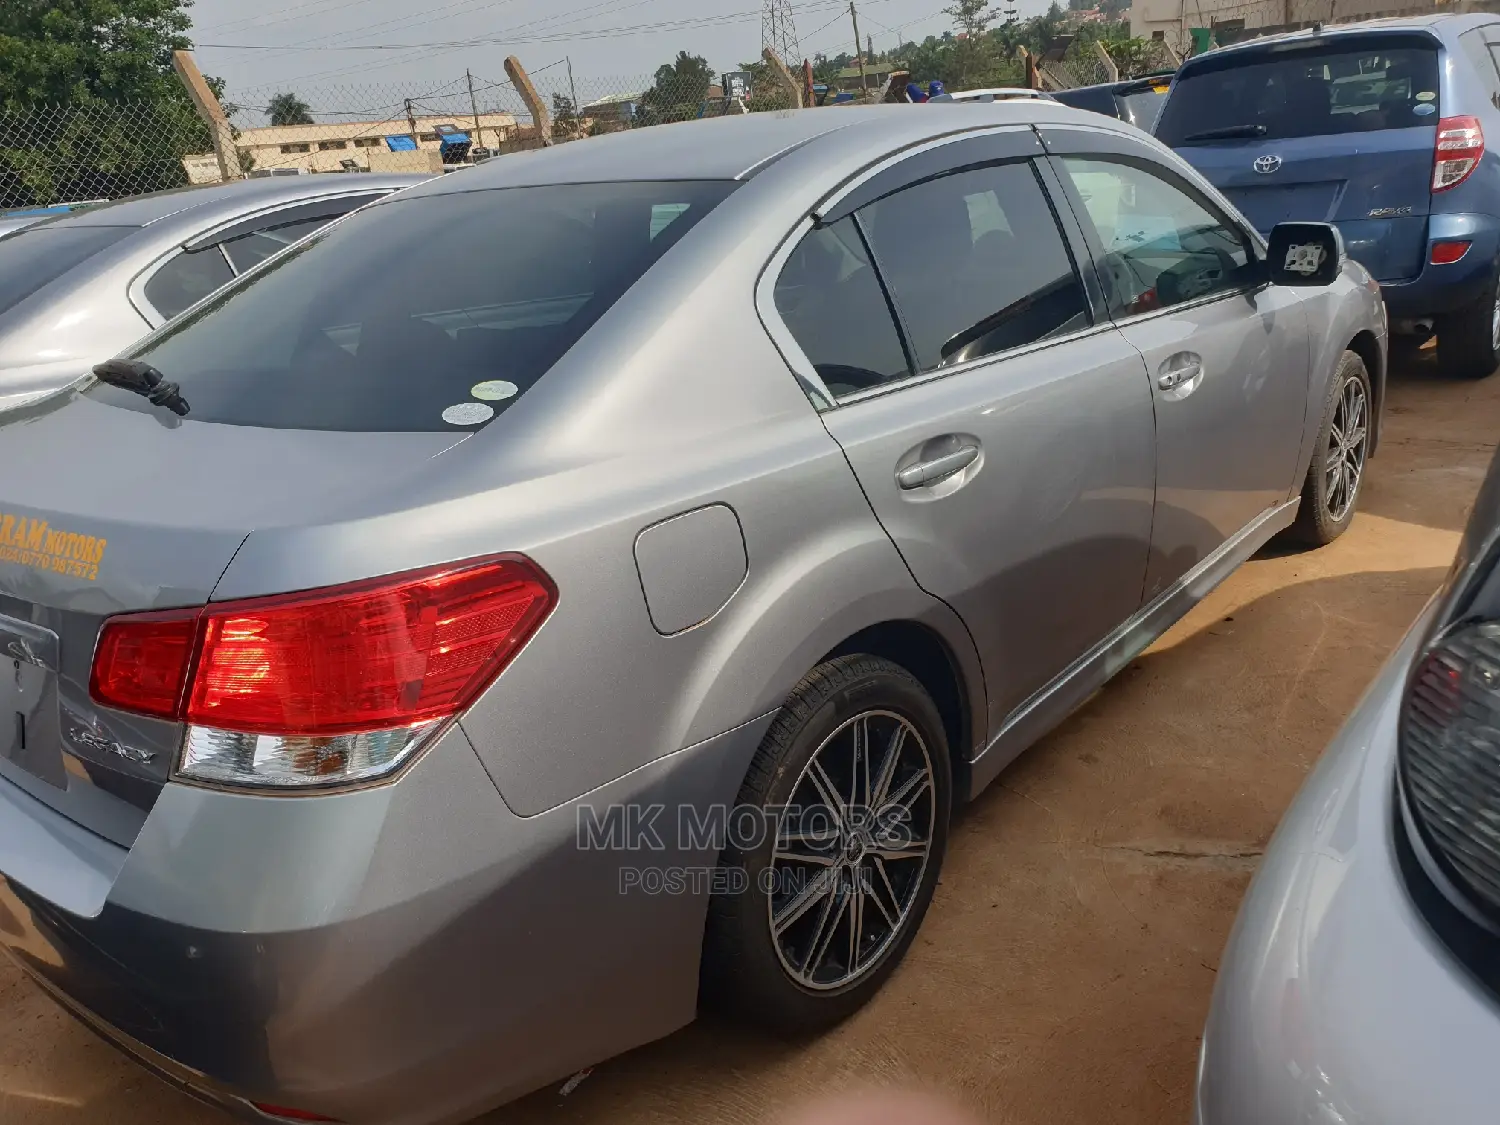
{"type": "Point", "coordinates": [96, 150]}
{"type": "Point", "coordinates": [51, 155]}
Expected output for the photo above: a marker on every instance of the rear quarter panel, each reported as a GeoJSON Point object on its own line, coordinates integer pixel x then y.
{"type": "Point", "coordinates": [676, 399]}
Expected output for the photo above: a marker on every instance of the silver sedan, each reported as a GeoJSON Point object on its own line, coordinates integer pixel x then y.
{"type": "Point", "coordinates": [584, 587]}
{"type": "Point", "coordinates": [76, 288]}
{"type": "Point", "coordinates": [1361, 981]}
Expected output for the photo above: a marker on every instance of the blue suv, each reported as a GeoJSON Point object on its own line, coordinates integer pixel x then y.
{"type": "Point", "coordinates": [1379, 128]}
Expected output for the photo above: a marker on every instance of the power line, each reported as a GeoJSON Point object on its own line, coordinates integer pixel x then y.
{"type": "Point", "coordinates": [506, 37]}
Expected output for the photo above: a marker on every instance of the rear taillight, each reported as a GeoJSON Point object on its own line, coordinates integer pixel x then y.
{"type": "Point", "coordinates": [1460, 144]}
{"type": "Point", "coordinates": [332, 685]}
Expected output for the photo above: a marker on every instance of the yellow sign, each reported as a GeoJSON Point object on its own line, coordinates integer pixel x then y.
{"type": "Point", "coordinates": [35, 543]}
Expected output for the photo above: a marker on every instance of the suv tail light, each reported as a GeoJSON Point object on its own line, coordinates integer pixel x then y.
{"type": "Point", "coordinates": [339, 684]}
{"type": "Point", "coordinates": [1460, 144]}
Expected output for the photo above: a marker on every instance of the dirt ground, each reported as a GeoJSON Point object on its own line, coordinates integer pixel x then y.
{"type": "Point", "coordinates": [1064, 971]}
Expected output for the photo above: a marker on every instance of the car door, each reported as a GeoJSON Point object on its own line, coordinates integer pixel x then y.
{"type": "Point", "coordinates": [1000, 426]}
{"type": "Point", "coordinates": [1228, 353]}
{"type": "Point", "coordinates": [210, 260]}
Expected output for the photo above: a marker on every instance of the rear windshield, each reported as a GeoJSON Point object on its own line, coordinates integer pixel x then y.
{"type": "Point", "coordinates": [1353, 86]}
{"type": "Point", "coordinates": [32, 258]}
{"type": "Point", "coordinates": [432, 312]}
{"type": "Point", "coordinates": [1145, 105]}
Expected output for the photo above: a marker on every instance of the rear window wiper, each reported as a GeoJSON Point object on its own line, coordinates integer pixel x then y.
{"type": "Point", "coordinates": [1226, 133]}
{"type": "Point", "coordinates": [142, 379]}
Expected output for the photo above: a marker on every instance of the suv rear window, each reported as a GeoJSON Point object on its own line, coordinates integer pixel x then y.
{"type": "Point", "coordinates": [1353, 85]}
{"type": "Point", "coordinates": [30, 259]}
{"type": "Point", "coordinates": [427, 312]}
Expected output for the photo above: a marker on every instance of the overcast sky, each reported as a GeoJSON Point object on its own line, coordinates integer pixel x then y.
{"type": "Point", "coordinates": [615, 40]}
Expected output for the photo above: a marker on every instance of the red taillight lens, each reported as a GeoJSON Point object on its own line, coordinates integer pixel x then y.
{"type": "Point", "coordinates": [1459, 145]}
{"type": "Point", "coordinates": [141, 662]}
{"type": "Point", "coordinates": [389, 653]}
{"type": "Point", "coordinates": [1446, 253]}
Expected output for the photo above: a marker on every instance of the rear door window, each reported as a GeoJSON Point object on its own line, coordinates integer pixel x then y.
{"type": "Point", "coordinates": [251, 249]}
{"type": "Point", "coordinates": [832, 303]}
{"type": "Point", "coordinates": [186, 279]}
{"type": "Point", "coordinates": [1351, 85]}
{"type": "Point", "coordinates": [32, 258]}
{"type": "Point", "coordinates": [976, 264]}
{"type": "Point", "coordinates": [424, 312]}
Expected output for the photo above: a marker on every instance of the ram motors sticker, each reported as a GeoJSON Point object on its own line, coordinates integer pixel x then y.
{"type": "Point", "coordinates": [36, 543]}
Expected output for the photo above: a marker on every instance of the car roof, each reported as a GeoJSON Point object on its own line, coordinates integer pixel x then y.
{"type": "Point", "coordinates": [1449, 22]}
{"type": "Point", "coordinates": [204, 206]}
{"type": "Point", "coordinates": [733, 147]}
{"type": "Point", "coordinates": [1012, 91]}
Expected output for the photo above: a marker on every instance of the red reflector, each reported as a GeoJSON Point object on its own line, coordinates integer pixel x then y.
{"type": "Point", "coordinates": [1446, 253]}
{"type": "Point", "coordinates": [141, 661]}
{"type": "Point", "coordinates": [374, 655]}
{"type": "Point", "coordinates": [290, 1114]}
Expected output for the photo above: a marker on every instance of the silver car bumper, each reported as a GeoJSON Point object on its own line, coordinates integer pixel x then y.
{"type": "Point", "coordinates": [1335, 1003]}
{"type": "Point", "coordinates": [400, 955]}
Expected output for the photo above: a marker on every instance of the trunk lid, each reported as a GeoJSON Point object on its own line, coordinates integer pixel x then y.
{"type": "Point", "coordinates": [106, 511]}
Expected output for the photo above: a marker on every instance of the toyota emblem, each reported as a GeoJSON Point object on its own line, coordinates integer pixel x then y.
{"type": "Point", "coordinates": [1266, 164]}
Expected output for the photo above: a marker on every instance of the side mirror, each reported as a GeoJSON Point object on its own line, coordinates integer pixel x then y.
{"type": "Point", "coordinates": [1305, 254]}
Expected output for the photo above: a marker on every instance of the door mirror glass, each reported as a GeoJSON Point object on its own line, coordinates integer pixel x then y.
{"type": "Point", "coordinates": [1305, 254]}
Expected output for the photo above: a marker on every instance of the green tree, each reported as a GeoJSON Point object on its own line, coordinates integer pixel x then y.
{"type": "Point", "coordinates": [678, 89]}
{"type": "Point", "coordinates": [61, 52]}
{"type": "Point", "coordinates": [287, 108]}
{"type": "Point", "coordinates": [564, 116]}
{"type": "Point", "coordinates": [974, 57]}
{"type": "Point", "coordinates": [89, 104]}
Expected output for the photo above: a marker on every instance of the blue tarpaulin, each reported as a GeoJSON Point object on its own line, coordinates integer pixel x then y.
{"type": "Point", "coordinates": [401, 143]}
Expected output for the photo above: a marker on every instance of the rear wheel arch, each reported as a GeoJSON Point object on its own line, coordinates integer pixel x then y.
{"type": "Point", "coordinates": [924, 653]}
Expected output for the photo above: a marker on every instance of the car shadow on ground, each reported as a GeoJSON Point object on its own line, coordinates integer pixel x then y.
{"type": "Point", "coordinates": [1064, 971]}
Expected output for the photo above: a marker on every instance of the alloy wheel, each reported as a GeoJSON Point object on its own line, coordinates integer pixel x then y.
{"type": "Point", "coordinates": [851, 851]}
{"type": "Point", "coordinates": [1347, 441]}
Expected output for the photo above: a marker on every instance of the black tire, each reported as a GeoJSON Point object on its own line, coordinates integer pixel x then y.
{"type": "Point", "coordinates": [749, 973]}
{"type": "Point", "coordinates": [1467, 343]}
{"type": "Point", "coordinates": [1326, 512]}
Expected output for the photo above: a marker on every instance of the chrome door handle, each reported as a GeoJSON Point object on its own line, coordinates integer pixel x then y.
{"type": "Point", "coordinates": [930, 472]}
{"type": "Point", "coordinates": [1169, 379]}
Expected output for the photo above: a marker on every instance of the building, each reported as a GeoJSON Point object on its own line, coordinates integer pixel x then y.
{"type": "Point", "coordinates": [1173, 20]}
{"type": "Point", "coordinates": [325, 147]}
{"type": "Point", "coordinates": [614, 110]}
{"type": "Point", "coordinates": [876, 76]}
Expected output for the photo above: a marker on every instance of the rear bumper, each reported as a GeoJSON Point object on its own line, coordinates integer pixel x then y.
{"type": "Point", "coordinates": [1444, 289]}
{"type": "Point", "coordinates": [1334, 1001]}
{"type": "Point", "coordinates": [403, 955]}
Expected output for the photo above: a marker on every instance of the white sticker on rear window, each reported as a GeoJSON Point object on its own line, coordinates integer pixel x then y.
{"type": "Point", "coordinates": [468, 414]}
{"type": "Point", "coordinates": [1427, 96]}
{"type": "Point", "coordinates": [1424, 109]}
{"type": "Point", "coordinates": [493, 390]}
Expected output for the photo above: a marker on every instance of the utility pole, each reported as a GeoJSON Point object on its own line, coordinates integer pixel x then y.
{"type": "Point", "coordinates": [572, 89]}
{"type": "Point", "coordinates": [474, 108]}
{"type": "Point", "coordinates": [412, 124]}
{"type": "Point", "coordinates": [864, 87]}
